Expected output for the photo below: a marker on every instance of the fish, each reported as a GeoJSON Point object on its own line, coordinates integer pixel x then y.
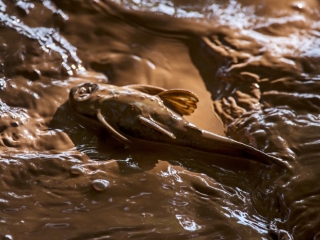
{"type": "Point", "coordinates": [156, 114]}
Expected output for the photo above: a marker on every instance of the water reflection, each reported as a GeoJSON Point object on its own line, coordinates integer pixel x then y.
{"type": "Point", "coordinates": [256, 60]}
{"type": "Point", "coordinates": [187, 223]}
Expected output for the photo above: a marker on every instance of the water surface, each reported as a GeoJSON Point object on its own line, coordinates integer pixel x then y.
{"type": "Point", "coordinates": [254, 66]}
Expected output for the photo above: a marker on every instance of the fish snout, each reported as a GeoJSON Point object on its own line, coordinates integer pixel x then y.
{"type": "Point", "coordinates": [83, 98]}
{"type": "Point", "coordinates": [83, 91]}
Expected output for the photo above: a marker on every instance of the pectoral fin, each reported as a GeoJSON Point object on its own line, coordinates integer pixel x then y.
{"type": "Point", "coordinates": [181, 101]}
{"type": "Point", "coordinates": [152, 124]}
{"type": "Point", "coordinates": [152, 90]}
{"type": "Point", "coordinates": [111, 129]}
{"type": "Point", "coordinates": [193, 127]}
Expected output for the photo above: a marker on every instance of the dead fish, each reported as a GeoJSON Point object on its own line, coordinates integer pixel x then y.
{"type": "Point", "coordinates": [155, 114]}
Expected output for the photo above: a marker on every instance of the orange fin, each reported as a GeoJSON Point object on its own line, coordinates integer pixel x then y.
{"type": "Point", "coordinates": [181, 101]}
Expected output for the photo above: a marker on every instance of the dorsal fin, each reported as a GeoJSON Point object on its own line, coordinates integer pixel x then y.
{"type": "Point", "coordinates": [181, 101]}
{"type": "Point", "coordinates": [152, 90]}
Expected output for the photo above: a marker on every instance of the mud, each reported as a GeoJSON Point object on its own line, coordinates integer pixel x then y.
{"type": "Point", "coordinates": [253, 65]}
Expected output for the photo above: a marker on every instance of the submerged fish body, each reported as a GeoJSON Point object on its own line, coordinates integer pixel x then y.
{"type": "Point", "coordinates": [155, 114]}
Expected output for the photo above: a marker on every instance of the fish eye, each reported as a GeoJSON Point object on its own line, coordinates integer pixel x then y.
{"type": "Point", "coordinates": [84, 91]}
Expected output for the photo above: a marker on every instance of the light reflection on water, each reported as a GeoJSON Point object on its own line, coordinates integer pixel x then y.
{"type": "Point", "coordinates": [187, 223]}
{"type": "Point", "coordinates": [53, 179]}
{"type": "Point", "coordinates": [248, 18]}
{"type": "Point", "coordinates": [254, 221]}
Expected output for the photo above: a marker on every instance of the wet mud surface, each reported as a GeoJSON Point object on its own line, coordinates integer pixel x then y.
{"type": "Point", "coordinates": [252, 64]}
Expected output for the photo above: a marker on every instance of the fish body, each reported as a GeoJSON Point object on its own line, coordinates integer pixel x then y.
{"type": "Point", "coordinates": [155, 114]}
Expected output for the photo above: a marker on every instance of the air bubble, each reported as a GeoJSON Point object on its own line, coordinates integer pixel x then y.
{"type": "Point", "coordinates": [7, 237]}
{"type": "Point", "coordinates": [100, 184]}
{"type": "Point", "coordinates": [76, 170]}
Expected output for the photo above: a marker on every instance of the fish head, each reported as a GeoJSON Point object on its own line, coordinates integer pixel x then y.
{"type": "Point", "coordinates": [85, 98]}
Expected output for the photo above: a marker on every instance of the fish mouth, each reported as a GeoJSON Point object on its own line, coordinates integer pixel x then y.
{"type": "Point", "coordinates": [83, 91]}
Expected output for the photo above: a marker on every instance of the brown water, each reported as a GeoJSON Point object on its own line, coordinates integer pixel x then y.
{"type": "Point", "coordinates": [255, 68]}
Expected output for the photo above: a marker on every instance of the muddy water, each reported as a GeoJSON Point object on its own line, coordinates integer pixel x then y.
{"type": "Point", "coordinates": [254, 66]}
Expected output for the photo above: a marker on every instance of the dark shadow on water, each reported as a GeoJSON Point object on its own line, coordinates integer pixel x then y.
{"type": "Point", "coordinates": [210, 64]}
